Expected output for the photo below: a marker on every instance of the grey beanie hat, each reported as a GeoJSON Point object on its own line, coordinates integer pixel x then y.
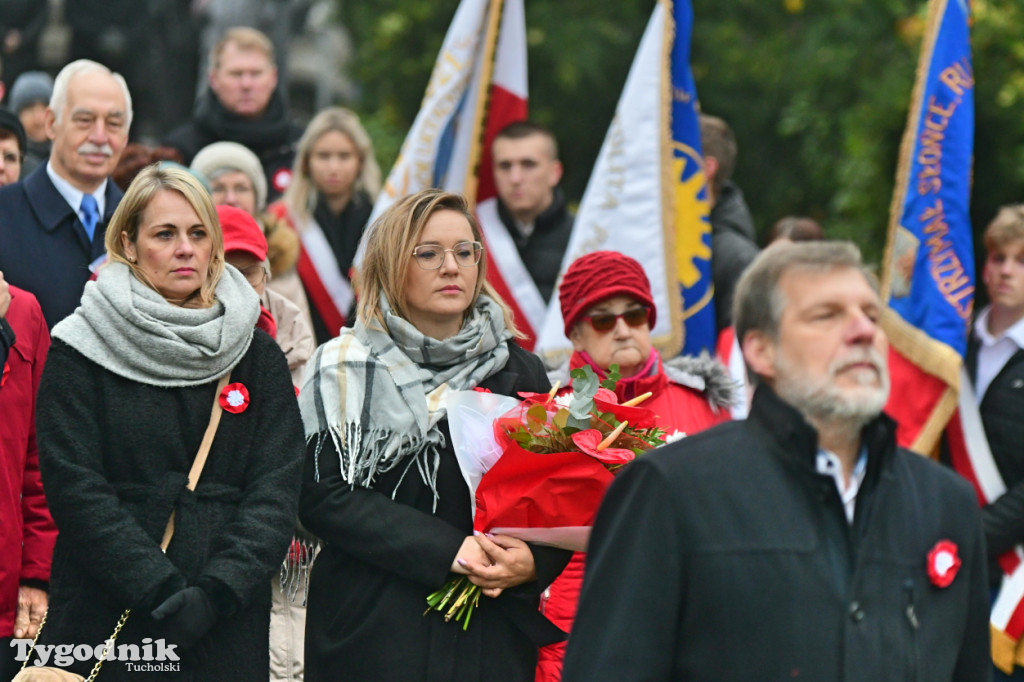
{"type": "Point", "coordinates": [29, 88]}
{"type": "Point", "coordinates": [214, 159]}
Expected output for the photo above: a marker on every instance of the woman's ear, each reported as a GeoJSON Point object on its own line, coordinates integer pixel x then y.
{"type": "Point", "coordinates": [129, 248]}
{"type": "Point", "coordinates": [576, 336]}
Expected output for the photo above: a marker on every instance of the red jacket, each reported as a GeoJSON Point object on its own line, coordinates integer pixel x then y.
{"type": "Point", "coordinates": [679, 408]}
{"type": "Point", "coordinates": [27, 532]}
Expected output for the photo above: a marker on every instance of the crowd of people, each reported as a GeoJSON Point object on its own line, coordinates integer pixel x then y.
{"type": "Point", "coordinates": [216, 436]}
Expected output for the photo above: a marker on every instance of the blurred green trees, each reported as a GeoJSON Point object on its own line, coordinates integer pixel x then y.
{"type": "Point", "coordinates": [816, 90]}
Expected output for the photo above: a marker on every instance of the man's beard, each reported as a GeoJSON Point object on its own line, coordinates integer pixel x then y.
{"type": "Point", "coordinates": [824, 400]}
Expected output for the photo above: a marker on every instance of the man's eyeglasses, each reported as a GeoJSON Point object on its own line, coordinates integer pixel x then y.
{"type": "Point", "coordinates": [604, 322]}
{"type": "Point", "coordinates": [431, 256]}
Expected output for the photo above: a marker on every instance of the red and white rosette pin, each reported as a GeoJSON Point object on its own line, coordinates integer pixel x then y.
{"type": "Point", "coordinates": [943, 563]}
{"type": "Point", "coordinates": [234, 398]}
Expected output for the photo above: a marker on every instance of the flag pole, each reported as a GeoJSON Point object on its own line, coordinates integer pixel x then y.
{"type": "Point", "coordinates": [482, 100]}
{"type": "Point", "coordinates": [936, 9]}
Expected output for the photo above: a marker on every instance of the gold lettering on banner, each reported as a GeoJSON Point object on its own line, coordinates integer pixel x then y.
{"type": "Point", "coordinates": [944, 265]}
{"type": "Point", "coordinates": [958, 78]}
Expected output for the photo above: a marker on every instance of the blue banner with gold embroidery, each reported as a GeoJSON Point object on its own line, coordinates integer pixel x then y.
{"type": "Point", "coordinates": [929, 265]}
{"type": "Point", "coordinates": [693, 226]}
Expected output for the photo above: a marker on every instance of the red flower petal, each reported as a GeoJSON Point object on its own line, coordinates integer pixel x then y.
{"type": "Point", "coordinates": [638, 417]}
{"type": "Point", "coordinates": [588, 440]}
{"type": "Point", "coordinates": [234, 398]}
{"type": "Point", "coordinates": [943, 563]}
{"type": "Point", "coordinates": [604, 395]}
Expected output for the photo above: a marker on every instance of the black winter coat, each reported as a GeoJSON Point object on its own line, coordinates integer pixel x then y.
{"type": "Point", "coordinates": [272, 137]}
{"type": "Point", "coordinates": [381, 558]}
{"type": "Point", "coordinates": [726, 556]}
{"type": "Point", "coordinates": [115, 455]}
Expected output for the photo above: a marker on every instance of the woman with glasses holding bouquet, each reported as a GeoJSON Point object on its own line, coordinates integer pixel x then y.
{"type": "Point", "coordinates": [382, 487]}
{"type": "Point", "coordinates": [608, 312]}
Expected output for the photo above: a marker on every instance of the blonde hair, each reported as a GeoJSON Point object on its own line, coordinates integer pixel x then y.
{"type": "Point", "coordinates": [128, 217]}
{"type": "Point", "coordinates": [1005, 228]}
{"type": "Point", "coordinates": [301, 194]}
{"type": "Point", "coordinates": [245, 39]}
{"type": "Point", "coordinates": [389, 245]}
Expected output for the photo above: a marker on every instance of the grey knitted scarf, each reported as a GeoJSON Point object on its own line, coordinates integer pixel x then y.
{"type": "Point", "coordinates": [380, 395]}
{"type": "Point", "coordinates": [126, 327]}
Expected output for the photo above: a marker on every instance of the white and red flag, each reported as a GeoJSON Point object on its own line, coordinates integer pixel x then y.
{"type": "Point", "coordinates": [477, 87]}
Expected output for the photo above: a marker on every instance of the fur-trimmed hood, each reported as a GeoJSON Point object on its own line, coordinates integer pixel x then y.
{"type": "Point", "coordinates": [282, 244]}
{"type": "Point", "coordinates": [702, 373]}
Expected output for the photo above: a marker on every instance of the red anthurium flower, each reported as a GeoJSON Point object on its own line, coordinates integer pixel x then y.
{"type": "Point", "coordinates": [943, 563]}
{"type": "Point", "coordinates": [534, 397]}
{"type": "Point", "coordinates": [638, 417]}
{"type": "Point", "coordinates": [606, 396]}
{"type": "Point", "coordinates": [588, 440]}
{"type": "Point", "coordinates": [478, 389]}
{"type": "Point", "coordinates": [234, 398]}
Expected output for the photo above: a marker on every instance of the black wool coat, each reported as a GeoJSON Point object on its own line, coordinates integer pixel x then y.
{"type": "Point", "coordinates": [382, 557]}
{"type": "Point", "coordinates": [726, 556]}
{"type": "Point", "coordinates": [115, 456]}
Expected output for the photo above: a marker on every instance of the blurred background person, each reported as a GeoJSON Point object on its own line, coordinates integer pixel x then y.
{"type": "Point", "coordinates": [137, 156]}
{"type": "Point", "coordinates": [243, 104]}
{"type": "Point", "coordinates": [609, 311]}
{"type": "Point", "coordinates": [382, 487]}
{"type": "Point", "coordinates": [21, 26]}
{"type": "Point", "coordinates": [27, 532]}
{"type": "Point", "coordinates": [245, 248]}
{"type": "Point", "coordinates": [12, 148]}
{"type": "Point", "coordinates": [795, 228]}
{"type": "Point", "coordinates": [334, 182]}
{"type": "Point", "coordinates": [733, 236]}
{"type": "Point", "coordinates": [28, 99]}
{"type": "Point", "coordinates": [118, 433]}
{"type": "Point", "coordinates": [235, 178]}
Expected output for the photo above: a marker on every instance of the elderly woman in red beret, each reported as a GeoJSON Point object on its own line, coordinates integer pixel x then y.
{"type": "Point", "coordinates": [609, 311]}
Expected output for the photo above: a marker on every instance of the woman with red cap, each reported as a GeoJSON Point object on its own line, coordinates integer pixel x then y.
{"type": "Point", "coordinates": [609, 311]}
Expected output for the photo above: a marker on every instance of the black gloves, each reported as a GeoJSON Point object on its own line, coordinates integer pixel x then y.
{"type": "Point", "coordinates": [185, 617]}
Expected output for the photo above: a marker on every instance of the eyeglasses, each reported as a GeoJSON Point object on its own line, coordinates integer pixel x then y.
{"type": "Point", "coordinates": [431, 256]}
{"type": "Point", "coordinates": [604, 322]}
{"type": "Point", "coordinates": [254, 274]}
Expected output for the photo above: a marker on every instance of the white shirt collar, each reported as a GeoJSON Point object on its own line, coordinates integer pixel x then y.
{"type": "Point", "coordinates": [827, 463]}
{"type": "Point", "coordinates": [73, 195]}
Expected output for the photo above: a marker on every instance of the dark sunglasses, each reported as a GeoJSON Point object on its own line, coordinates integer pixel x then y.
{"type": "Point", "coordinates": [604, 322]}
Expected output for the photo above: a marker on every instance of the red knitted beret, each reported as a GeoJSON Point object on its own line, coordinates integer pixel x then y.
{"type": "Point", "coordinates": [600, 275]}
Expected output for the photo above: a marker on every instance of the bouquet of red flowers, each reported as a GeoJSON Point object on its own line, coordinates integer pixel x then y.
{"type": "Point", "coordinates": [548, 462]}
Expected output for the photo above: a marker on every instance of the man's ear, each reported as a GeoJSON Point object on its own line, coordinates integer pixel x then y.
{"type": "Point", "coordinates": [710, 168]}
{"type": "Point", "coordinates": [759, 352]}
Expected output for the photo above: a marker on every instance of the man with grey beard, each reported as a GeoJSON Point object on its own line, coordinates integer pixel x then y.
{"type": "Point", "coordinates": [801, 543]}
{"type": "Point", "coordinates": [52, 224]}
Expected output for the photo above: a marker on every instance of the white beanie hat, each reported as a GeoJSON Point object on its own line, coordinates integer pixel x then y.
{"type": "Point", "coordinates": [216, 158]}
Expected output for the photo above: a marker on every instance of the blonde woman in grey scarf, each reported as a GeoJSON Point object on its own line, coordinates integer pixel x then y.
{"type": "Point", "coordinates": [124, 402]}
{"type": "Point", "coordinates": [382, 487]}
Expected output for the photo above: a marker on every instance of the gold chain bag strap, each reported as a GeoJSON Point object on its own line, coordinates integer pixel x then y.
{"type": "Point", "coordinates": [37, 673]}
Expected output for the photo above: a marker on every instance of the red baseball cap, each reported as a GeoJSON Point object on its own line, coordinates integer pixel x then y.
{"type": "Point", "coordinates": [241, 233]}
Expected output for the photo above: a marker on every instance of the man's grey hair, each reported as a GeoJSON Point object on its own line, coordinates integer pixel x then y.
{"type": "Point", "coordinates": [59, 98]}
{"type": "Point", "coordinates": [758, 301]}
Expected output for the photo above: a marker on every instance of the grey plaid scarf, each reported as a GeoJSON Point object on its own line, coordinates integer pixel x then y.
{"type": "Point", "coordinates": [379, 395]}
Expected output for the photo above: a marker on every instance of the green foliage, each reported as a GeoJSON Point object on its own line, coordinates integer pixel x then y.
{"type": "Point", "coordinates": [817, 92]}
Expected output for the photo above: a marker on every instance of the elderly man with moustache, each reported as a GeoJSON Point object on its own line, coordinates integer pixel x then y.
{"type": "Point", "coordinates": [801, 543]}
{"type": "Point", "coordinates": [53, 222]}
